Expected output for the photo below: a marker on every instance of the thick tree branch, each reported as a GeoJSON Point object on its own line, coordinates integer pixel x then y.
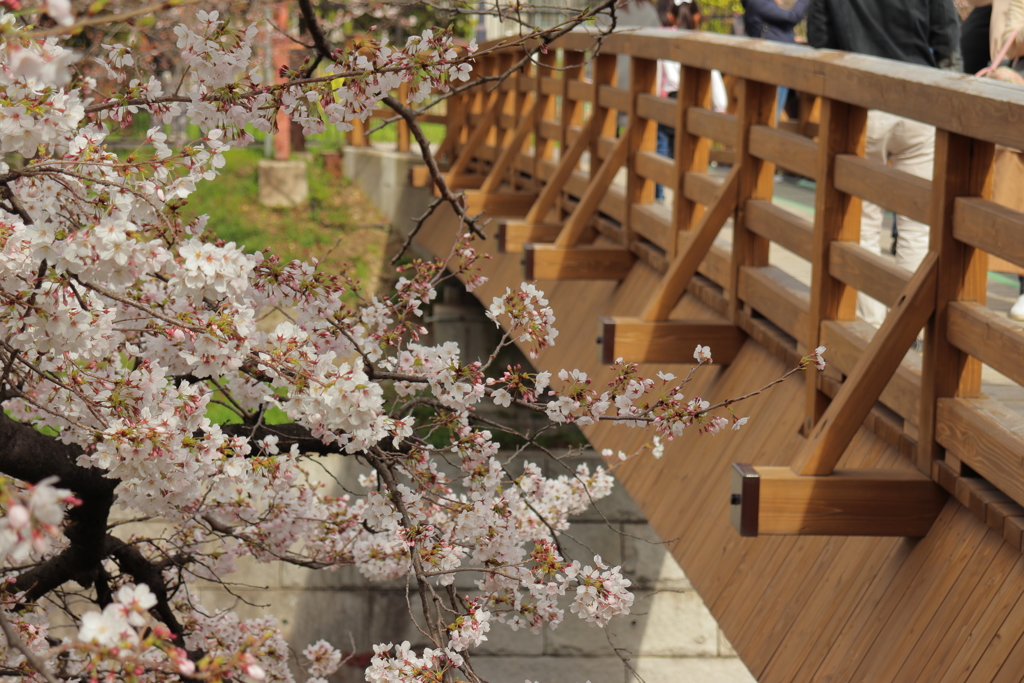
{"type": "Point", "coordinates": [134, 563]}
{"type": "Point", "coordinates": [31, 456]}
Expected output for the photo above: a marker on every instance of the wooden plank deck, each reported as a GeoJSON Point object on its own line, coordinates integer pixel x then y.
{"type": "Point", "coordinates": [795, 608]}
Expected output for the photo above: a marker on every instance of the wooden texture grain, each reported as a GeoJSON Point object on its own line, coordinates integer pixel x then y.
{"type": "Point", "coordinates": [790, 151]}
{"type": "Point", "coordinates": [847, 503]}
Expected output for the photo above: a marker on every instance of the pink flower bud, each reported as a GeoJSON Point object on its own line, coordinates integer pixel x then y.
{"type": "Point", "coordinates": [18, 516]}
{"type": "Point", "coordinates": [254, 671]}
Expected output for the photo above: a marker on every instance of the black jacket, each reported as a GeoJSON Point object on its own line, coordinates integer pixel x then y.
{"type": "Point", "coordinates": [916, 31]}
{"type": "Point", "coordinates": [765, 19]}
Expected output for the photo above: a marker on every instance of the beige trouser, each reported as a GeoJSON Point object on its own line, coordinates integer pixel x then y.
{"type": "Point", "coordinates": [908, 146]}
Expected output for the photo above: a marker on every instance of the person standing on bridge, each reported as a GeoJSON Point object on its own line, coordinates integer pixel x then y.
{"type": "Point", "coordinates": [767, 19]}
{"type": "Point", "coordinates": [674, 14]}
{"type": "Point", "coordinates": [925, 32]}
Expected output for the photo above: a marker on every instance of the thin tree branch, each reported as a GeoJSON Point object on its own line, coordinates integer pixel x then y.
{"type": "Point", "coordinates": [15, 641]}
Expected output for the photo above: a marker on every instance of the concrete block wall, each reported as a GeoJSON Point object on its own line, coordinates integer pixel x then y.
{"type": "Point", "coordinates": [383, 174]}
{"type": "Point", "coordinates": [669, 637]}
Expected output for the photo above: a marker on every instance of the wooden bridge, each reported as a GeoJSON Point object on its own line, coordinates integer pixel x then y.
{"type": "Point", "coordinates": [867, 524]}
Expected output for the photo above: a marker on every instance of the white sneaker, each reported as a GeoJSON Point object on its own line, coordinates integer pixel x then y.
{"type": "Point", "coordinates": [1017, 310]}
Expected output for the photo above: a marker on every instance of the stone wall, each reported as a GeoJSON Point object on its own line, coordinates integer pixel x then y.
{"type": "Point", "coordinates": [669, 638]}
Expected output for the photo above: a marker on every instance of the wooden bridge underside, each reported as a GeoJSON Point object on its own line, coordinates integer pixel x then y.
{"type": "Point", "coordinates": [948, 607]}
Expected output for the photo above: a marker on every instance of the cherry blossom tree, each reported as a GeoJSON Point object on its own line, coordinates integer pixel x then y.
{"type": "Point", "coordinates": [122, 323]}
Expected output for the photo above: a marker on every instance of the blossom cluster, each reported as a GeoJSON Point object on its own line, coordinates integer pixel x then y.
{"type": "Point", "coordinates": [32, 518]}
{"type": "Point", "coordinates": [122, 324]}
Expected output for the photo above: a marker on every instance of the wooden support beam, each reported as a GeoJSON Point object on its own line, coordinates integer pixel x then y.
{"type": "Point", "coordinates": [511, 149]}
{"type": "Point", "coordinates": [577, 223]}
{"type": "Point", "coordinates": [669, 341]}
{"type": "Point", "coordinates": [478, 135]}
{"type": "Point", "coordinates": [585, 262]}
{"type": "Point", "coordinates": [862, 388]}
{"type": "Point", "coordinates": [514, 235]}
{"type": "Point", "coordinates": [847, 342]}
{"type": "Point", "coordinates": [512, 204]}
{"type": "Point", "coordinates": [644, 132]}
{"type": "Point", "coordinates": [776, 501]}
{"type": "Point", "coordinates": [566, 165]}
{"type": "Point", "coordinates": [458, 108]}
{"type": "Point", "coordinates": [685, 264]}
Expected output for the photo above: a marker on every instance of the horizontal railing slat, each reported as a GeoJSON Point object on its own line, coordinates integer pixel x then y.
{"type": "Point", "coordinates": [987, 335]}
{"type": "Point", "coordinates": [579, 90]}
{"type": "Point", "coordinates": [549, 130]}
{"type": "Point", "coordinates": [711, 124]}
{"type": "Point", "coordinates": [777, 296]}
{"type": "Point", "coordinates": [700, 187]}
{"type": "Point", "coordinates": [870, 273]}
{"type": "Point", "coordinates": [654, 222]}
{"type": "Point", "coordinates": [656, 108]}
{"type": "Point", "coordinates": [778, 225]}
{"type": "Point", "coordinates": [990, 227]}
{"type": "Point", "coordinates": [787, 150]}
{"type": "Point", "coordinates": [655, 167]}
{"type": "Point", "coordinates": [611, 97]}
{"type": "Point", "coordinates": [987, 437]}
{"type": "Point", "coordinates": [550, 86]}
{"type": "Point", "coordinates": [897, 191]}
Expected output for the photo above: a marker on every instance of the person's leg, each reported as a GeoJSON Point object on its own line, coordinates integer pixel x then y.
{"type": "Point", "coordinates": [666, 148]}
{"type": "Point", "coordinates": [912, 150]}
{"type": "Point", "coordinates": [872, 217]}
{"type": "Point", "coordinates": [1017, 310]}
{"type": "Point", "coordinates": [780, 104]}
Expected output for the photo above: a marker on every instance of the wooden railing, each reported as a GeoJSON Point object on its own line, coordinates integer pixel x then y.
{"type": "Point", "coordinates": [545, 146]}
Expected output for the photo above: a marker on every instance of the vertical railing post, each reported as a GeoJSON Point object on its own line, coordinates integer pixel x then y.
{"type": "Point", "coordinates": [506, 104]}
{"type": "Point", "coordinates": [963, 167]}
{"type": "Point", "coordinates": [544, 148]}
{"type": "Point", "coordinates": [357, 136]}
{"type": "Point", "coordinates": [403, 125]}
{"type": "Point", "coordinates": [639, 190]}
{"type": "Point", "coordinates": [486, 105]}
{"type": "Point", "coordinates": [573, 65]}
{"type": "Point", "coordinates": [842, 130]}
{"type": "Point", "coordinates": [756, 181]}
{"type": "Point", "coordinates": [603, 72]}
{"type": "Point", "coordinates": [692, 153]}
{"type": "Point", "coordinates": [571, 113]}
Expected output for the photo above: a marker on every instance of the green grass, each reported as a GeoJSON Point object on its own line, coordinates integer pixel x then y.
{"type": "Point", "coordinates": [338, 226]}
